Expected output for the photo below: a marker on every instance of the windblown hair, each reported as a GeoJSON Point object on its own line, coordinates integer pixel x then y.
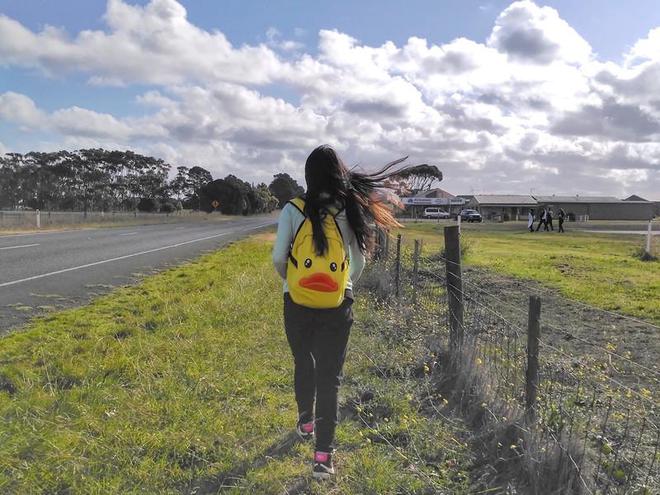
{"type": "Point", "coordinates": [331, 185]}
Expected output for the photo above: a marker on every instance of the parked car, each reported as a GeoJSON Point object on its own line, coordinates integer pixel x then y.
{"type": "Point", "coordinates": [470, 216]}
{"type": "Point", "coordinates": [435, 213]}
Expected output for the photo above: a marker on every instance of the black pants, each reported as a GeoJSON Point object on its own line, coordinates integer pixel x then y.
{"type": "Point", "coordinates": [541, 222]}
{"type": "Point", "coordinates": [550, 224]}
{"type": "Point", "coordinates": [318, 339]}
{"type": "Point", "coordinates": [561, 225]}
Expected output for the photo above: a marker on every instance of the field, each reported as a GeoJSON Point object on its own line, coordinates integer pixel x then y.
{"type": "Point", "coordinates": [183, 384]}
{"type": "Point", "coordinates": [597, 269]}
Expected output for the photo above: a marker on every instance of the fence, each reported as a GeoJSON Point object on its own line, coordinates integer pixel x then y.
{"type": "Point", "coordinates": [40, 219]}
{"type": "Point", "coordinates": [566, 412]}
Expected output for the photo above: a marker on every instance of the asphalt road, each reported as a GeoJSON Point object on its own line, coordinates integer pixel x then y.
{"type": "Point", "coordinates": [46, 271]}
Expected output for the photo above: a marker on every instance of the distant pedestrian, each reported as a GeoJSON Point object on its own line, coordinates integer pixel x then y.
{"type": "Point", "coordinates": [548, 220]}
{"type": "Point", "coordinates": [543, 216]}
{"type": "Point", "coordinates": [530, 220]}
{"type": "Point", "coordinates": [561, 216]}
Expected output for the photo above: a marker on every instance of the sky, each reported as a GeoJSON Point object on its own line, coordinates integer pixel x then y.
{"type": "Point", "coordinates": [504, 97]}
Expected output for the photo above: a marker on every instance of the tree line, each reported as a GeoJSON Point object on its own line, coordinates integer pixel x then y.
{"type": "Point", "coordinates": [104, 180]}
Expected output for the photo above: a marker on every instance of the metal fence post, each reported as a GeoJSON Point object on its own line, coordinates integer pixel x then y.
{"type": "Point", "coordinates": [454, 286]}
{"type": "Point", "coordinates": [648, 238]}
{"type": "Point", "coordinates": [532, 376]}
{"type": "Point", "coordinates": [38, 219]}
{"type": "Point", "coordinates": [415, 269]}
{"type": "Point", "coordinates": [397, 272]}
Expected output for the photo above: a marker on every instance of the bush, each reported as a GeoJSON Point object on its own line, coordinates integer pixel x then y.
{"type": "Point", "coordinates": [148, 205]}
{"type": "Point", "coordinates": [167, 207]}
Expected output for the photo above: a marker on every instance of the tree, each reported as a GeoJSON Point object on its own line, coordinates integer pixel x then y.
{"type": "Point", "coordinates": [284, 188]}
{"type": "Point", "coordinates": [181, 185]}
{"type": "Point", "coordinates": [198, 177]}
{"type": "Point", "coordinates": [231, 192]}
{"type": "Point", "coordinates": [421, 177]}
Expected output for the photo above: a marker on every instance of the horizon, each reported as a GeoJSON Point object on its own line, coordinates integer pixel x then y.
{"type": "Point", "coordinates": [504, 97]}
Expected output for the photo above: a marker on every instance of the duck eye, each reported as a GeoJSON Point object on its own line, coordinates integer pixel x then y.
{"type": "Point", "coordinates": [333, 266]}
{"type": "Point", "coordinates": [308, 263]}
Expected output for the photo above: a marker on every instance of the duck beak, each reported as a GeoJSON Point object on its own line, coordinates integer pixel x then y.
{"type": "Point", "coordinates": [321, 282]}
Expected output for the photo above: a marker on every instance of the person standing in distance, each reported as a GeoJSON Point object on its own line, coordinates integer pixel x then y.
{"type": "Point", "coordinates": [542, 220]}
{"type": "Point", "coordinates": [561, 216]}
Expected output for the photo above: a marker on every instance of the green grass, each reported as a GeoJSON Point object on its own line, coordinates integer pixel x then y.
{"type": "Point", "coordinates": [186, 379]}
{"type": "Point", "coordinates": [597, 269]}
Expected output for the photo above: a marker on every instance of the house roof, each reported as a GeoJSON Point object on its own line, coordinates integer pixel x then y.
{"type": "Point", "coordinates": [577, 199]}
{"type": "Point", "coordinates": [434, 193]}
{"type": "Point", "coordinates": [634, 197]}
{"type": "Point", "coordinates": [504, 199]}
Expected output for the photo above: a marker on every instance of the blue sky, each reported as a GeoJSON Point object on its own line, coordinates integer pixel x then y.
{"type": "Point", "coordinates": [49, 93]}
{"type": "Point", "coordinates": [610, 26]}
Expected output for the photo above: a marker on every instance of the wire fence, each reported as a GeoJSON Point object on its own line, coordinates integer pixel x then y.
{"type": "Point", "coordinates": [571, 412]}
{"type": "Point", "coordinates": [39, 219]}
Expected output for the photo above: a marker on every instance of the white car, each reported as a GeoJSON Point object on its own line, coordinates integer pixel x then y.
{"type": "Point", "coordinates": [435, 213]}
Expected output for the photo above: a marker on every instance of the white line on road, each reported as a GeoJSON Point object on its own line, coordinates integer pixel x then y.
{"type": "Point", "coordinates": [129, 233]}
{"type": "Point", "coordinates": [13, 282]}
{"type": "Point", "coordinates": [43, 233]}
{"type": "Point", "coordinates": [16, 247]}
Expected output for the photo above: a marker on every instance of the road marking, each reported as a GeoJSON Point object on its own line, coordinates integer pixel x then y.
{"type": "Point", "coordinates": [16, 247]}
{"type": "Point", "coordinates": [129, 233]}
{"type": "Point", "coordinates": [44, 233]}
{"type": "Point", "coordinates": [13, 282]}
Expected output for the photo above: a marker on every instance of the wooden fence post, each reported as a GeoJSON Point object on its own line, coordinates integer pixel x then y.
{"type": "Point", "coordinates": [415, 269]}
{"type": "Point", "coordinates": [454, 286]}
{"type": "Point", "coordinates": [532, 376]}
{"type": "Point", "coordinates": [386, 251]}
{"type": "Point", "coordinates": [397, 272]}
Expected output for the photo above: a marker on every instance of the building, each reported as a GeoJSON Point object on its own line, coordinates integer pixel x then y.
{"type": "Point", "coordinates": [505, 207]}
{"type": "Point", "coordinates": [501, 207]}
{"type": "Point", "coordinates": [582, 208]}
{"type": "Point", "coordinates": [435, 197]}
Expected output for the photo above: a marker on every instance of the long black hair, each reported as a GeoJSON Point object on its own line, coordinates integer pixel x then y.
{"type": "Point", "coordinates": [330, 185]}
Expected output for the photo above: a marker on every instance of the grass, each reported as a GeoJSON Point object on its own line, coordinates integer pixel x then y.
{"type": "Point", "coordinates": [183, 384]}
{"type": "Point", "coordinates": [119, 222]}
{"type": "Point", "coordinates": [598, 269]}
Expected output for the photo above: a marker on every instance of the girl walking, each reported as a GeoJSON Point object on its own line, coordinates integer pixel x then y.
{"type": "Point", "coordinates": [322, 239]}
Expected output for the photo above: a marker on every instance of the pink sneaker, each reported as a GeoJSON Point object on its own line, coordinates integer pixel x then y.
{"type": "Point", "coordinates": [305, 430]}
{"type": "Point", "coordinates": [323, 468]}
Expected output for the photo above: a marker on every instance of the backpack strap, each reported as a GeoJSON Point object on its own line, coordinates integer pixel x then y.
{"type": "Point", "coordinates": [299, 204]}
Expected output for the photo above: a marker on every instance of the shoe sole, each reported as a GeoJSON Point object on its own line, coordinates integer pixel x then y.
{"type": "Point", "coordinates": [321, 476]}
{"type": "Point", "coordinates": [304, 436]}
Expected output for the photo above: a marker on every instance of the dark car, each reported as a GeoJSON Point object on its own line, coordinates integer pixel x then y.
{"type": "Point", "coordinates": [470, 216]}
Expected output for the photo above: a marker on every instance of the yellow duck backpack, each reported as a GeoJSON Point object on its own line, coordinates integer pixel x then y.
{"type": "Point", "coordinates": [317, 281]}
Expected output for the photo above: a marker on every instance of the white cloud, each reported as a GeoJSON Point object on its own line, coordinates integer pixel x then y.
{"type": "Point", "coordinates": [645, 49]}
{"type": "Point", "coordinates": [531, 106]}
{"type": "Point", "coordinates": [20, 109]}
{"type": "Point", "coordinates": [536, 34]}
{"type": "Point", "coordinates": [275, 41]}
{"type": "Point", "coordinates": [154, 44]}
